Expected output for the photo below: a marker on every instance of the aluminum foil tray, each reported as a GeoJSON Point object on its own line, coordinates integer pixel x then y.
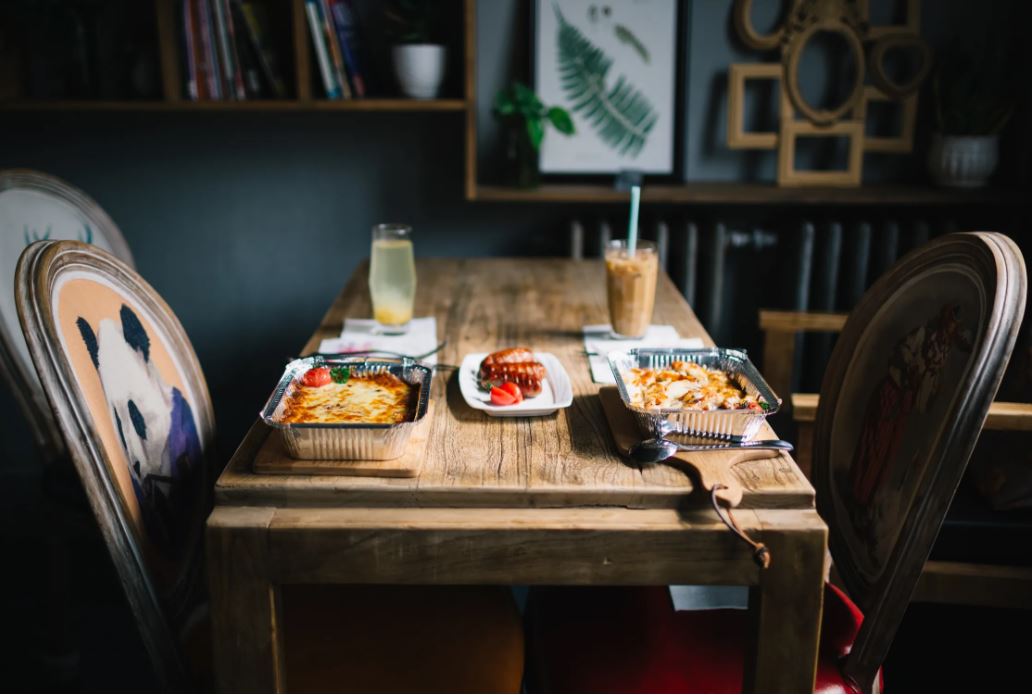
{"type": "Point", "coordinates": [348, 441]}
{"type": "Point", "coordinates": [730, 425]}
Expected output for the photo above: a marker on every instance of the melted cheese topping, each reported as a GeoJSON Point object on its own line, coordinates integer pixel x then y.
{"type": "Point", "coordinates": [382, 399]}
{"type": "Point", "coordinates": [687, 386]}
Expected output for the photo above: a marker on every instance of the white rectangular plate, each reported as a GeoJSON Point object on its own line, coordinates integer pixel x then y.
{"type": "Point", "coordinates": [556, 391]}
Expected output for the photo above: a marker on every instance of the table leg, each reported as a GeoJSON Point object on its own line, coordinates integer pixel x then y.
{"type": "Point", "coordinates": [786, 606]}
{"type": "Point", "coordinates": [245, 610]}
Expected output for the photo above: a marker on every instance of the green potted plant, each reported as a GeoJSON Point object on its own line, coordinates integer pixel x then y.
{"type": "Point", "coordinates": [973, 99]}
{"type": "Point", "coordinates": [525, 118]}
{"type": "Point", "coordinates": [419, 61]}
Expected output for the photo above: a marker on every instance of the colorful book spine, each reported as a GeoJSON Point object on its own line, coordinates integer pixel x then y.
{"type": "Point", "coordinates": [315, 25]}
{"type": "Point", "coordinates": [200, 59]}
{"type": "Point", "coordinates": [208, 46]}
{"type": "Point", "coordinates": [247, 54]}
{"type": "Point", "coordinates": [225, 52]}
{"type": "Point", "coordinates": [188, 50]}
{"type": "Point", "coordinates": [347, 34]}
{"type": "Point", "coordinates": [336, 58]}
{"type": "Point", "coordinates": [258, 43]}
{"type": "Point", "coordinates": [231, 41]}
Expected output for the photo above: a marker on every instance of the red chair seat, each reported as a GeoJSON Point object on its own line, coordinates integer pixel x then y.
{"type": "Point", "coordinates": [630, 639]}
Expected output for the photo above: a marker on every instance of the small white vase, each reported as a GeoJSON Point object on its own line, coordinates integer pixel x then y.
{"type": "Point", "coordinates": [963, 161]}
{"type": "Point", "coordinates": [419, 69]}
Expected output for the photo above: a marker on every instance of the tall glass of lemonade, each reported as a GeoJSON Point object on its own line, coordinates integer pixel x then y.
{"type": "Point", "coordinates": [392, 277]}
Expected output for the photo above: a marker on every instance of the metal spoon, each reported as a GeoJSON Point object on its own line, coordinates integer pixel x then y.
{"type": "Point", "coordinates": [658, 449]}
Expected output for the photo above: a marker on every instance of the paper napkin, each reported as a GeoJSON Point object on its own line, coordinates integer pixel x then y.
{"type": "Point", "coordinates": [361, 335]}
{"type": "Point", "coordinates": [598, 343]}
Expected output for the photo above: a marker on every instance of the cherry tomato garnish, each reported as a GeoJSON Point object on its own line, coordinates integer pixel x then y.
{"type": "Point", "coordinates": [513, 390]}
{"type": "Point", "coordinates": [317, 376]}
{"type": "Point", "coordinates": [500, 397]}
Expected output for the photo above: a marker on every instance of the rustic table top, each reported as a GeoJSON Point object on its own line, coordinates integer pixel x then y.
{"type": "Point", "coordinates": [469, 459]}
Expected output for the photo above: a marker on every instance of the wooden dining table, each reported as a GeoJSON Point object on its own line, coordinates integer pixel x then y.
{"type": "Point", "coordinates": [510, 501]}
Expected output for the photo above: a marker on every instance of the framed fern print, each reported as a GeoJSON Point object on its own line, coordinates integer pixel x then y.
{"type": "Point", "coordinates": [612, 65]}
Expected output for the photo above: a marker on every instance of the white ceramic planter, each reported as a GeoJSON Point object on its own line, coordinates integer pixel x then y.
{"type": "Point", "coordinates": [419, 69]}
{"type": "Point", "coordinates": [963, 161]}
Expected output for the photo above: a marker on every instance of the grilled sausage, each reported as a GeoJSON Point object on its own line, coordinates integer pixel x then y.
{"type": "Point", "coordinates": [508, 356]}
{"type": "Point", "coordinates": [527, 375]}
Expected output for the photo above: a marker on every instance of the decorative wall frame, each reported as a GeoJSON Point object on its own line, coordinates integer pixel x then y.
{"type": "Point", "coordinates": [797, 117]}
{"type": "Point", "coordinates": [901, 143]}
{"type": "Point", "coordinates": [613, 66]}
{"type": "Point", "coordinates": [792, 130]}
{"type": "Point", "coordinates": [738, 74]}
{"type": "Point", "coordinates": [912, 25]}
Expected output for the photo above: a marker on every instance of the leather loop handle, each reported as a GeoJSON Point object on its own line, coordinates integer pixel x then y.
{"type": "Point", "coordinates": [761, 553]}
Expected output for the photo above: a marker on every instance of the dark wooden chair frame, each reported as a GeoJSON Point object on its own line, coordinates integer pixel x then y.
{"type": "Point", "coordinates": [161, 616]}
{"type": "Point", "coordinates": [960, 583]}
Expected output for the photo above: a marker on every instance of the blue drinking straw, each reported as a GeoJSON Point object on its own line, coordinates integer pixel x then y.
{"type": "Point", "coordinates": [632, 229]}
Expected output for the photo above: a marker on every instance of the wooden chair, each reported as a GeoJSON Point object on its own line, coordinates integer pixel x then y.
{"type": "Point", "coordinates": [884, 480]}
{"type": "Point", "coordinates": [964, 583]}
{"type": "Point", "coordinates": [34, 205]}
{"type": "Point", "coordinates": [129, 397]}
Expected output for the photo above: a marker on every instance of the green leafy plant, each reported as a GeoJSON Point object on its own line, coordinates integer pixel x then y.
{"type": "Point", "coordinates": [972, 89]}
{"type": "Point", "coordinates": [519, 102]}
{"type": "Point", "coordinates": [621, 116]}
{"type": "Point", "coordinates": [410, 21]}
{"type": "Point", "coordinates": [628, 37]}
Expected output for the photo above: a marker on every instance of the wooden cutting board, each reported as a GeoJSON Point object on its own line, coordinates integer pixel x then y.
{"type": "Point", "coordinates": [705, 468]}
{"type": "Point", "coordinates": [273, 458]}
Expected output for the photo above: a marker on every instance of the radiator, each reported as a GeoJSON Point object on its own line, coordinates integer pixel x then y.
{"type": "Point", "coordinates": [728, 270]}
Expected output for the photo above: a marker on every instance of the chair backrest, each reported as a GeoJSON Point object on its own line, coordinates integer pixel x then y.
{"type": "Point", "coordinates": [132, 404]}
{"type": "Point", "coordinates": [903, 400]}
{"type": "Point", "coordinates": [35, 206]}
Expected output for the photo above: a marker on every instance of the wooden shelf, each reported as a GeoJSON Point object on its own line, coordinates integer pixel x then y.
{"type": "Point", "coordinates": [415, 105]}
{"type": "Point", "coordinates": [301, 77]}
{"type": "Point", "coordinates": [750, 194]}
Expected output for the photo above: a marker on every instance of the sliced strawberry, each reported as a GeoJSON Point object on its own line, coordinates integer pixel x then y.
{"type": "Point", "coordinates": [514, 390]}
{"type": "Point", "coordinates": [500, 397]}
{"type": "Point", "coordinates": [317, 376]}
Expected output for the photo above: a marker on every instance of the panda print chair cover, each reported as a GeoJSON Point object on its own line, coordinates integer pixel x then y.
{"type": "Point", "coordinates": [130, 399]}
{"type": "Point", "coordinates": [35, 206]}
{"type": "Point", "coordinates": [129, 396]}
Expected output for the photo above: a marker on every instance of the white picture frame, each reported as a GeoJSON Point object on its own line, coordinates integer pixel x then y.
{"type": "Point", "coordinates": [632, 46]}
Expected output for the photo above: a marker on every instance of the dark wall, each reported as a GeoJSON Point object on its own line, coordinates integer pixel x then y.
{"type": "Point", "coordinates": [249, 224]}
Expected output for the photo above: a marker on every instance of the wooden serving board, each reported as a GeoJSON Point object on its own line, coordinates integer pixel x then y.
{"type": "Point", "coordinates": [273, 458]}
{"type": "Point", "coordinates": [706, 468]}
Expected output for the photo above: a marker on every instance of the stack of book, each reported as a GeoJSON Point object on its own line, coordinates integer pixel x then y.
{"type": "Point", "coordinates": [227, 52]}
{"type": "Point", "coordinates": [335, 39]}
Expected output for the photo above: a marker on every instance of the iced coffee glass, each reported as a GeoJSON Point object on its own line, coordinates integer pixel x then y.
{"type": "Point", "coordinates": [631, 287]}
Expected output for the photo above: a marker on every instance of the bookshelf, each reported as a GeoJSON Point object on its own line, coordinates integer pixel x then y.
{"type": "Point", "coordinates": [368, 104]}
{"type": "Point", "coordinates": [461, 96]}
{"type": "Point", "coordinates": [297, 64]}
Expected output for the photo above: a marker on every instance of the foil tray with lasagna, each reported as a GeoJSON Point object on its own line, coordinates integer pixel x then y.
{"type": "Point", "coordinates": [367, 418]}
